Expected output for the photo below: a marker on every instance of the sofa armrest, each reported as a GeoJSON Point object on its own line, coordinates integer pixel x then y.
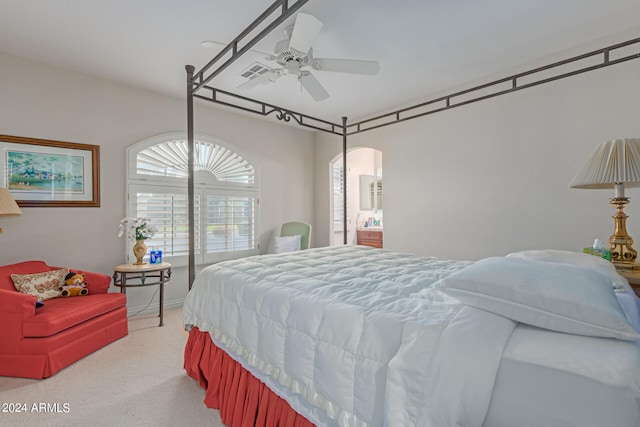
{"type": "Point", "coordinates": [17, 302]}
{"type": "Point", "coordinates": [15, 307]}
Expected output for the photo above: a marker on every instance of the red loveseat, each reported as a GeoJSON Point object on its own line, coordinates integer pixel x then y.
{"type": "Point", "coordinates": [38, 342]}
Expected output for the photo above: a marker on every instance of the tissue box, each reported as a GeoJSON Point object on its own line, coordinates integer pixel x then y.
{"type": "Point", "coordinates": [155, 257]}
{"type": "Point", "coordinates": [602, 253]}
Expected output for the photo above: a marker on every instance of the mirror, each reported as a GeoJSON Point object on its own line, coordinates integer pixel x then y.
{"type": "Point", "coordinates": [367, 201]}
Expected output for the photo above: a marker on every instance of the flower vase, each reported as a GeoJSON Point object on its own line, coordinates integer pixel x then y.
{"type": "Point", "coordinates": [139, 250]}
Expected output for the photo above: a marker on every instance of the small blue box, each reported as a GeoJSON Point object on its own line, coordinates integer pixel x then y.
{"type": "Point", "coordinates": [155, 257]}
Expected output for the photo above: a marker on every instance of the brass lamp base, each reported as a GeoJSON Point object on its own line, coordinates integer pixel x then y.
{"type": "Point", "coordinates": [621, 244]}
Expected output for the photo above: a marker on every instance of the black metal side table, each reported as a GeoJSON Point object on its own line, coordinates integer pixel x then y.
{"type": "Point", "coordinates": [143, 275]}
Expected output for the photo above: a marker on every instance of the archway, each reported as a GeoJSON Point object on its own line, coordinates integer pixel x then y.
{"type": "Point", "coordinates": [364, 180]}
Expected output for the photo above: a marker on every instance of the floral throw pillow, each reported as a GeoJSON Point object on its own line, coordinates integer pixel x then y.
{"type": "Point", "coordinates": [44, 286]}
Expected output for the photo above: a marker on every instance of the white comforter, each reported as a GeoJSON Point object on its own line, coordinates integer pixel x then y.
{"type": "Point", "coordinates": [340, 332]}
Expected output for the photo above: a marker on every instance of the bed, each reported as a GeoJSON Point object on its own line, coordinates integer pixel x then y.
{"type": "Point", "coordinates": [357, 336]}
{"type": "Point", "coordinates": [352, 336]}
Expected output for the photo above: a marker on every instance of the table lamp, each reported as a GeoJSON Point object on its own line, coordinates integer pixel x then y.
{"type": "Point", "coordinates": [614, 164]}
{"type": "Point", "coordinates": [8, 206]}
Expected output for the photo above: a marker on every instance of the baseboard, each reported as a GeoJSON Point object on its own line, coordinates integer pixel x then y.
{"type": "Point", "coordinates": [154, 307]}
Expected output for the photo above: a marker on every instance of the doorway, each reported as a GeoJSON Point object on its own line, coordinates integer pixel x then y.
{"type": "Point", "coordinates": [364, 195]}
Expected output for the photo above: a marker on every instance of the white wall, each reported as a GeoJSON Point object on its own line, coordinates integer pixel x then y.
{"type": "Point", "coordinates": [44, 102]}
{"type": "Point", "coordinates": [493, 177]}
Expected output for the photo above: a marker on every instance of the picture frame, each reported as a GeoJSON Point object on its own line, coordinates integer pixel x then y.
{"type": "Point", "coordinates": [47, 173]}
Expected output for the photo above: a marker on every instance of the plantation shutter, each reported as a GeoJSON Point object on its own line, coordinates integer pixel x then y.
{"type": "Point", "coordinates": [225, 199]}
{"type": "Point", "coordinates": [168, 212]}
{"type": "Point", "coordinates": [230, 223]}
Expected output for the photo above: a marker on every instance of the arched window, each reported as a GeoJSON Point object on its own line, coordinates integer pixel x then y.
{"type": "Point", "coordinates": [225, 197]}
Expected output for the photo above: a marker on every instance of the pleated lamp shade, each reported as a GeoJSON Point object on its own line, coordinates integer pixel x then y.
{"type": "Point", "coordinates": [8, 206]}
{"type": "Point", "coordinates": [613, 162]}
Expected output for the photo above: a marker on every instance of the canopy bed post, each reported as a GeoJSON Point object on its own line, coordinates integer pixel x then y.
{"type": "Point", "coordinates": [344, 179]}
{"type": "Point", "coordinates": [190, 191]}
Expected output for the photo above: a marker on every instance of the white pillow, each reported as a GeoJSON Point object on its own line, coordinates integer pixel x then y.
{"type": "Point", "coordinates": [624, 293]}
{"type": "Point", "coordinates": [601, 265]}
{"type": "Point", "coordinates": [554, 296]}
{"type": "Point", "coordinates": [287, 244]}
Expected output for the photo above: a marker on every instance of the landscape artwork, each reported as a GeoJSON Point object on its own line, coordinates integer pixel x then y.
{"type": "Point", "coordinates": [50, 173]}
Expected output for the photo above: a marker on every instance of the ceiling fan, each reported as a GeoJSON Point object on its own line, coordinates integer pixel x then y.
{"type": "Point", "coordinates": [294, 56]}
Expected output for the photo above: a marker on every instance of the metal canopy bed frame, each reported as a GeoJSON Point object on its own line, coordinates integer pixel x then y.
{"type": "Point", "coordinates": [198, 86]}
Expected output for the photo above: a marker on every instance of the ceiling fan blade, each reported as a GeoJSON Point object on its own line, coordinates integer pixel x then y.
{"type": "Point", "coordinates": [313, 86]}
{"type": "Point", "coordinates": [305, 31]}
{"type": "Point", "coordinates": [264, 78]}
{"type": "Point", "coordinates": [353, 66]}
{"type": "Point", "coordinates": [210, 44]}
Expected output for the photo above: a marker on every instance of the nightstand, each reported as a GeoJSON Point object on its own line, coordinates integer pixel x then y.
{"type": "Point", "coordinates": [369, 237]}
{"type": "Point", "coordinates": [133, 275]}
{"type": "Point", "coordinates": [633, 276]}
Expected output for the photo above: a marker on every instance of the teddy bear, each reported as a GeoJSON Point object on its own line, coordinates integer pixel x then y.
{"type": "Point", "coordinates": [74, 285]}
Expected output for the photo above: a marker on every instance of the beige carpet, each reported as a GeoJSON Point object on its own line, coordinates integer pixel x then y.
{"type": "Point", "coordinates": [135, 381]}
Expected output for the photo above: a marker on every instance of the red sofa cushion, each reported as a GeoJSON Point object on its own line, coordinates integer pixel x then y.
{"type": "Point", "coordinates": [61, 313]}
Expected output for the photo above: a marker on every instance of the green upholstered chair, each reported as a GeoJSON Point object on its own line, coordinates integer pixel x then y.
{"type": "Point", "coordinates": [297, 228]}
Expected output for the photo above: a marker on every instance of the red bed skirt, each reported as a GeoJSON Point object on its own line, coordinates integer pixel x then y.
{"type": "Point", "coordinates": [243, 400]}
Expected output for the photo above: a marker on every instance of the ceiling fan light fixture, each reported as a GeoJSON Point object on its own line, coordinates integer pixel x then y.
{"type": "Point", "coordinates": [293, 67]}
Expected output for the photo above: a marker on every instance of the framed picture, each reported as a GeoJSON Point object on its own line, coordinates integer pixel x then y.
{"type": "Point", "coordinates": [40, 172]}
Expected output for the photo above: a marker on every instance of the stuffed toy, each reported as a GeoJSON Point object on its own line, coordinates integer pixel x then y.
{"type": "Point", "coordinates": [74, 285]}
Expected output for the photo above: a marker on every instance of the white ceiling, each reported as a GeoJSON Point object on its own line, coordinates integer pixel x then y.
{"type": "Point", "coordinates": [424, 47]}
